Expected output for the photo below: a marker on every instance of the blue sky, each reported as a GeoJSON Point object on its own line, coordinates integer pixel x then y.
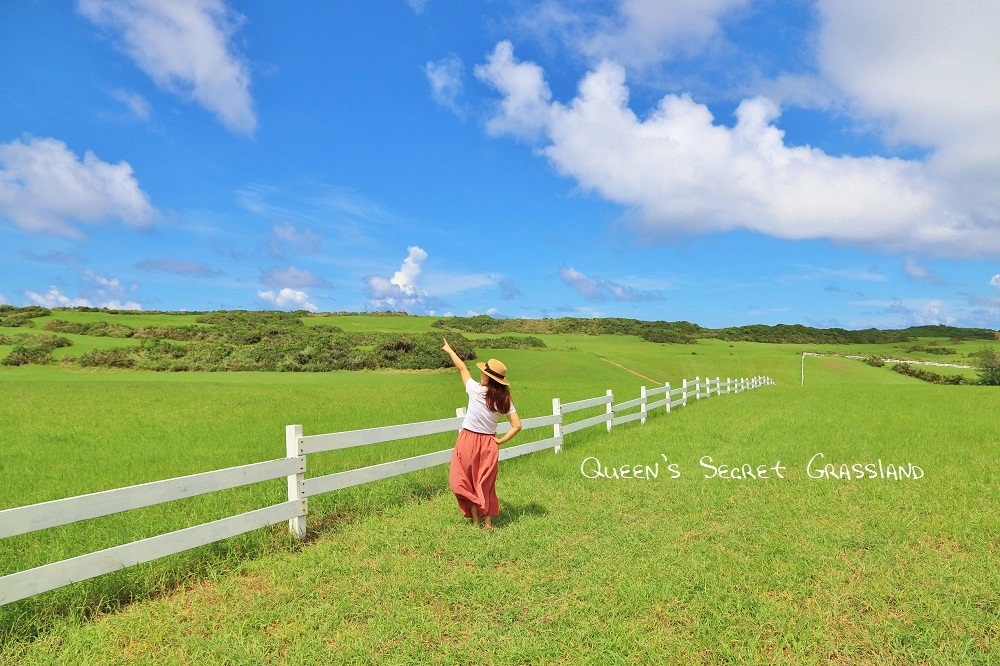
{"type": "Point", "coordinates": [724, 162]}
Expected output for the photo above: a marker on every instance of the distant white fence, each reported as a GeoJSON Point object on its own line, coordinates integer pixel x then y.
{"type": "Point", "coordinates": [35, 517]}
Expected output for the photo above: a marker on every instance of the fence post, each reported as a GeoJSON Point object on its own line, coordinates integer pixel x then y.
{"type": "Point", "coordinates": [296, 482]}
{"type": "Point", "coordinates": [557, 427]}
{"type": "Point", "coordinates": [684, 394]}
{"type": "Point", "coordinates": [642, 405]}
{"type": "Point", "coordinates": [718, 386]}
{"type": "Point", "coordinates": [611, 409]}
{"type": "Point", "coordinates": [669, 397]}
{"type": "Point", "coordinates": [697, 388]}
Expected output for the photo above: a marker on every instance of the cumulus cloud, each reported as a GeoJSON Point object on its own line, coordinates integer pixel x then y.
{"type": "Point", "coordinates": [402, 291]}
{"type": "Point", "coordinates": [287, 299]}
{"type": "Point", "coordinates": [596, 289]}
{"type": "Point", "coordinates": [46, 189]}
{"type": "Point", "coordinates": [525, 109]}
{"type": "Point", "coordinates": [635, 33]}
{"type": "Point", "coordinates": [178, 267]}
{"type": "Point", "coordinates": [292, 277]}
{"type": "Point", "coordinates": [492, 312]}
{"type": "Point", "coordinates": [995, 281]}
{"type": "Point", "coordinates": [680, 171]}
{"type": "Point", "coordinates": [926, 73]}
{"type": "Point", "coordinates": [445, 78]}
{"type": "Point", "coordinates": [185, 46]}
{"type": "Point", "coordinates": [901, 313]}
{"type": "Point", "coordinates": [54, 298]}
{"type": "Point", "coordinates": [109, 292]}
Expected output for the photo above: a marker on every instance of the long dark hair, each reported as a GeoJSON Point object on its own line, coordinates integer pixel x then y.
{"type": "Point", "coordinates": [497, 396]}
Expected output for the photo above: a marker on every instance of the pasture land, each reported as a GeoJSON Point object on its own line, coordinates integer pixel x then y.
{"type": "Point", "coordinates": [684, 570]}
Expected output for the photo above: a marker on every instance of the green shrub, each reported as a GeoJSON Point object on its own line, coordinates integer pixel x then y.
{"type": "Point", "coordinates": [63, 326]}
{"type": "Point", "coordinates": [14, 317]}
{"type": "Point", "coordinates": [875, 361]}
{"type": "Point", "coordinates": [928, 376]}
{"type": "Point", "coordinates": [22, 355]}
{"type": "Point", "coordinates": [988, 362]}
{"type": "Point", "coordinates": [120, 357]}
{"type": "Point", "coordinates": [511, 342]}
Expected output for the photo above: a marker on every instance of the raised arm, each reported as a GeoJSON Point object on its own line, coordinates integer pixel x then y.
{"type": "Point", "coordinates": [459, 363]}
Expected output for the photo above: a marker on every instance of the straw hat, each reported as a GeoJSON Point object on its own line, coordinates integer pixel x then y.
{"type": "Point", "coordinates": [495, 369]}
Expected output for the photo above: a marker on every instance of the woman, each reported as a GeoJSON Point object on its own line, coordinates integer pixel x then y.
{"type": "Point", "coordinates": [473, 473]}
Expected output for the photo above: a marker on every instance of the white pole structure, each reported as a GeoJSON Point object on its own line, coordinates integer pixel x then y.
{"type": "Point", "coordinates": [557, 426]}
{"type": "Point", "coordinates": [611, 410]}
{"type": "Point", "coordinates": [296, 482]}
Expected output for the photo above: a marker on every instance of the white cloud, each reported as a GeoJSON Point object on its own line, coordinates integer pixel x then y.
{"type": "Point", "coordinates": [402, 291]}
{"type": "Point", "coordinates": [925, 68]}
{"type": "Point", "coordinates": [901, 313]}
{"type": "Point", "coordinates": [635, 33]}
{"type": "Point", "coordinates": [525, 110]}
{"type": "Point", "coordinates": [995, 281]}
{"type": "Point", "coordinates": [121, 305]}
{"type": "Point", "coordinates": [292, 277]}
{"type": "Point", "coordinates": [596, 289]}
{"type": "Point", "coordinates": [96, 291]}
{"type": "Point", "coordinates": [109, 292]}
{"type": "Point", "coordinates": [3, 300]}
{"type": "Point", "coordinates": [54, 298]}
{"type": "Point", "coordinates": [445, 78]}
{"type": "Point", "coordinates": [680, 172]}
{"type": "Point", "coordinates": [185, 47]}
{"type": "Point", "coordinates": [45, 188]}
{"type": "Point", "coordinates": [136, 103]}
{"type": "Point", "coordinates": [418, 6]}
{"type": "Point", "coordinates": [408, 274]}
{"type": "Point", "coordinates": [492, 312]}
{"type": "Point", "coordinates": [927, 73]}
{"type": "Point", "coordinates": [287, 299]}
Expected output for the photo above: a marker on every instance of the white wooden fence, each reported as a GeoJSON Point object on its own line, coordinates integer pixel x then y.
{"type": "Point", "coordinates": [35, 517]}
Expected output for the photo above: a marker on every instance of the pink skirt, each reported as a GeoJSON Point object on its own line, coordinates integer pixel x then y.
{"type": "Point", "coordinates": [473, 473]}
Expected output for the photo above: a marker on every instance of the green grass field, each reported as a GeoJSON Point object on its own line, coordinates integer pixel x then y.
{"type": "Point", "coordinates": [580, 570]}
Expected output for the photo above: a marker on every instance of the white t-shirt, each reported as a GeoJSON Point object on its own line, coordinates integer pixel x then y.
{"type": "Point", "coordinates": [478, 417]}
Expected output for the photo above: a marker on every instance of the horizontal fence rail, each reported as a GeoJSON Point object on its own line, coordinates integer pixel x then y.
{"type": "Point", "coordinates": [64, 511]}
{"type": "Point", "coordinates": [45, 515]}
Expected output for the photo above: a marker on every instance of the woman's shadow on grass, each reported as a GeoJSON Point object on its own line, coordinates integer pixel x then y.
{"type": "Point", "coordinates": [511, 512]}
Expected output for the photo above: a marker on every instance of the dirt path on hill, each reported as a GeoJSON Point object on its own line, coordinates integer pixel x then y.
{"type": "Point", "coordinates": [637, 374]}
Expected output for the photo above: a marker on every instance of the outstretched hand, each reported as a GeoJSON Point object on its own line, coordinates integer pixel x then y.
{"type": "Point", "coordinates": [446, 347]}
